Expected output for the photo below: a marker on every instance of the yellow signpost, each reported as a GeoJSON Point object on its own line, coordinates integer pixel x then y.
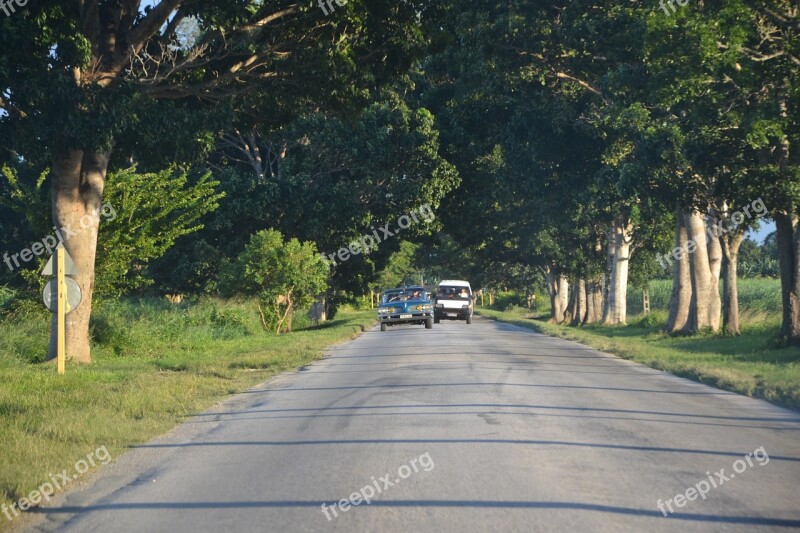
{"type": "Point", "coordinates": [61, 295]}
{"type": "Point", "coordinates": [61, 309]}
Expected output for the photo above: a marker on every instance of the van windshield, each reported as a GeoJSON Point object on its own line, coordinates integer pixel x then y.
{"type": "Point", "coordinates": [453, 293]}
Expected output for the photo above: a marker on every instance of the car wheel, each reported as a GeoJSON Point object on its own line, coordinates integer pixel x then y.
{"type": "Point", "coordinates": [383, 326]}
{"type": "Point", "coordinates": [429, 323]}
{"type": "Point", "coordinates": [469, 319]}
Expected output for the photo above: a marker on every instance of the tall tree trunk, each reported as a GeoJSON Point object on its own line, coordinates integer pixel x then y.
{"type": "Point", "coordinates": [530, 298]}
{"type": "Point", "coordinates": [317, 311]}
{"type": "Point", "coordinates": [594, 302]}
{"type": "Point", "coordinates": [607, 275]}
{"type": "Point", "coordinates": [696, 303]}
{"type": "Point", "coordinates": [706, 301]}
{"type": "Point", "coordinates": [730, 303]}
{"type": "Point", "coordinates": [788, 238]}
{"type": "Point", "coordinates": [552, 291]}
{"type": "Point", "coordinates": [714, 252]}
{"type": "Point", "coordinates": [558, 288]}
{"type": "Point", "coordinates": [563, 297]}
{"type": "Point", "coordinates": [572, 306]}
{"type": "Point", "coordinates": [680, 309]}
{"type": "Point", "coordinates": [579, 297]}
{"type": "Point", "coordinates": [620, 242]}
{"type": "Point", "coordinates": [78, 181]}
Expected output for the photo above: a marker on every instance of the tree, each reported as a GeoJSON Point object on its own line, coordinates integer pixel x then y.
{"type": "Point", "coordinates": [286, 276]}
{"type": "Point", "coordinates": [771, 91]}
{"type": "Point", "coordinates": [331, 180]}
{"type": "Point", "coordinates": [401, 268]}
{"type": "Point", "coordinates": [770, 246]}
{"type": "Point", "coordinates": [88, 83]}
{"type": "Point", "coordinates": [341, 179]}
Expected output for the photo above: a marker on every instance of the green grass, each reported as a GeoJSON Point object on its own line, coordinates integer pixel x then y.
{"type": "Point", "coordinates": [154, 364]}
{"type": "Point", "coordinates": [752, 364]}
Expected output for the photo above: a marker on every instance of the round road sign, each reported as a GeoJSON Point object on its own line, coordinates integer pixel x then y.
{"type": "Point", "coordinates": [50, 295]}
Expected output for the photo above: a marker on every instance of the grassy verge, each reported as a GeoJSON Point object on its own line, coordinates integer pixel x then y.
{"type": "Point", "coordinates": [154, 363]}
{"type": "Point", "coordinates": [750, 364]}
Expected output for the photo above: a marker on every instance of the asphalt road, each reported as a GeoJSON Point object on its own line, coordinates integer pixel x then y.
{"type": "Point", "coordinates": [485, 427]}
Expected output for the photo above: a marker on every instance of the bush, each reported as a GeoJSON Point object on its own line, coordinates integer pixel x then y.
{"type": "Point", "coordinates": [112, 331]}
{"type": "Point", "coordinates": [231, 322]}
{"type": "Point", "coordinates": [26, 327]}
{"type": "Point", "coordinates": [6, 296]}
{"type": "Point", "coordinates": [23, 308]}
{"type": "Point", "coordinates": [505, 301]}
{"type": "Point", "coordinates": [287, 276]}
{"type": "Point", "coordinates": [652, 320]}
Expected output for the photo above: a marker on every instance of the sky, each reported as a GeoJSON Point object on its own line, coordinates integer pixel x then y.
{"type": "Point", "coordinates": [765, 229]}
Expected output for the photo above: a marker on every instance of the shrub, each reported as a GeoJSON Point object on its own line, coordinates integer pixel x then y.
{"type": "Point", "coordinates": [286, 276]}
{"type": "Point", "coordinates": [505, 301]}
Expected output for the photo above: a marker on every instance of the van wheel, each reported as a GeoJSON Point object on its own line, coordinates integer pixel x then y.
{"type": "Point", "coordinates": [383, 326]}
{"type": "Point", "coordinates": [469, 319]}
{"type": "Point", "coordinates": [429, 323]}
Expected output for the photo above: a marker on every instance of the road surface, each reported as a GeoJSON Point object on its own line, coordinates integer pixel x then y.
{"type": "Point", "coordinates": [486, 427]}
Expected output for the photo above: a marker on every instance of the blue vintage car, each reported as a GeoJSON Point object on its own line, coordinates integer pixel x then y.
{"type": "Point", "coordinates": [406, 305]}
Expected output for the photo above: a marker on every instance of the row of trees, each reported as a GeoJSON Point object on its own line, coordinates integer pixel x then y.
{"type": "Point", "coordinates": [590, 133]}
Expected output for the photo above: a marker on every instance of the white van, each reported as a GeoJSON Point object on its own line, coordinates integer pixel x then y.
{"type": "Point", "coordinates": [453, 300]}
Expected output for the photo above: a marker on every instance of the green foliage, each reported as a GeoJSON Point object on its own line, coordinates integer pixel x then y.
{"type": "Point", "coordinates": [129, 102]}
{"type": "Point", "coordinates": [542, 158]}
{"type": "Point", "coordinates": [328, 179]}
{"type": "Point", "coordinates": [25, 196]}
{"type": "Point", "coordinates": [6, 296]}
{"type": "Point", "coordinates": [342, 178]}
{"type": "Point", "coordinates": [151, 211]}
{"type": "Point", "coordinates": [759, 261]}
{"type": "Point", "coordinates": [770, 246]}
{"type": "Point", "coordinates": [758, 267]}
{"type": "Point", "coordinates": [191, 266]}
{"type": "Point", "coordinates": [285, 276]}
{"type": "Point", "coordinates": [650, 320]}
{"type": "Point", "coordinates": [584, 112]}
{"type": "Point", "coordinates": [143, 215]}
{"type": "Point", "coordinates": [506, 300]}
{"type": "Point", "coordinates": [529, 126]}
{"type": "Point", "coordinates": [24, 219]}
{"type": "Point", "coordinates": [400, 269]}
